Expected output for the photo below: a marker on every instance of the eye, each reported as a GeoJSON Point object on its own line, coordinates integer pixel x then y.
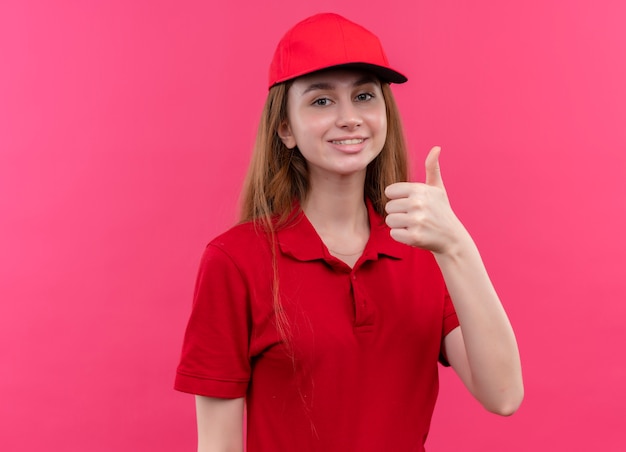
{"type": "Point", "coordinates": [321, 102]}
{"type": "Point", "coordinates": [364, 97]}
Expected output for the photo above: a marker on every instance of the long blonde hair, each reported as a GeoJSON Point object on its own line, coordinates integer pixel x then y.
{"type": "Point", "coordinates": [278, 176]}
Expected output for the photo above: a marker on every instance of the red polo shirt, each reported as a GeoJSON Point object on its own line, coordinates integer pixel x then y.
{"type": "Point", "coordinates": [362, 371]}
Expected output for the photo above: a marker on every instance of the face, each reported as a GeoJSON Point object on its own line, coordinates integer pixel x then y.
{"type": "Point", "coordinates": [337, 120]}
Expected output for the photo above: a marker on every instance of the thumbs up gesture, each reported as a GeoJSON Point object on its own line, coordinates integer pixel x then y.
{"type": "Point", "coordinates": [419, 214]}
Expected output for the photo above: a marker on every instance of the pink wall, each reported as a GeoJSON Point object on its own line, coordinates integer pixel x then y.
{"type": "Point", "coordinates": [125, 128]}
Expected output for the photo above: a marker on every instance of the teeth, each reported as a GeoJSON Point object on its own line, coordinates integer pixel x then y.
{"type": "Point", "coordinates": [353, 141]}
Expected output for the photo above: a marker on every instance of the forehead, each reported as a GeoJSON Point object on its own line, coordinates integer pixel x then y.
{"type": "Point", "coordinates": [333, 79]}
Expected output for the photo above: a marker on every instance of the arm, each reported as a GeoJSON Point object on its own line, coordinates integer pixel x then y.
{"type": "Point", "coordinates": [220, 424]}
{"type": "Point", "coordinates": [483, 350]}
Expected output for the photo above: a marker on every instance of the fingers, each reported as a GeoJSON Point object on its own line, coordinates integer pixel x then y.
{"type": "Point", "coordinates": [418, 214]}
{"type": "Point", "coordinates": [398, 220]}
{"type": "Point", "coordinates": [402, 236]}
{"type": "Point", "coordinates": [399, 190]}
{"type": "Point", "coordinates": [400, 205]}
{"type": "Point", "coordinates": [433, 170]}
{"type": "Point", "coordinates": [433, 177]}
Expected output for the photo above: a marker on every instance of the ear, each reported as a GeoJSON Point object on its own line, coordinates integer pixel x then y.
{"type": "Point", "coordinates": [285, 134]}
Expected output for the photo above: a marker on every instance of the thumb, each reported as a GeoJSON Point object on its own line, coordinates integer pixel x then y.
{"type": "Point", "coordinates": [433, 171]}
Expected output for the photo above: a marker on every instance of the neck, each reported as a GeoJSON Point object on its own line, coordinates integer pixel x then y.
{"type": "Point", "coordinates": [336, 209]}
{"type": "Point", "coordinates": [337, 204]}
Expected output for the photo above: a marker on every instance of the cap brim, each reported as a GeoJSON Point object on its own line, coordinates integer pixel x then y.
{"type": "Point", "coordinates": [384, 73]}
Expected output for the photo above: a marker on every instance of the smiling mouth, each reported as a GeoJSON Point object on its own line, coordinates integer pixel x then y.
{"type": "Point", "coordinates": [353, 141]}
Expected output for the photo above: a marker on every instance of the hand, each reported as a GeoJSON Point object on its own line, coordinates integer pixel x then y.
{"type": "Point", "coordinates": [419, 214]}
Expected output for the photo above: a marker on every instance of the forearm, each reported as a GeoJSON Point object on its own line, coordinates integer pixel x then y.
{"type": "Point", "coordinates": [220, 424]}
{"type": "Point", "coordinates": [494, 373]}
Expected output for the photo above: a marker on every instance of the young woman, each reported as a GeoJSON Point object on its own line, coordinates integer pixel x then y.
{"type": "Point", "coordinates": [327, 309]}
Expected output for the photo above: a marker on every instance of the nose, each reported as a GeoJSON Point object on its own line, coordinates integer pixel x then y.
{"type": "Point", "coordinates": [348, 116]}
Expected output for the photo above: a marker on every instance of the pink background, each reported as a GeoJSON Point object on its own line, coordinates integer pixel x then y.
{"type": "Point", "coordinates": [125, 129]}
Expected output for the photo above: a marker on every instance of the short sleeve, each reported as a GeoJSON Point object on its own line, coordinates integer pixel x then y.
{"type": "Point", "coordinates": [450, 322]}
{"type": "Point", "coordinates": [214, 360]}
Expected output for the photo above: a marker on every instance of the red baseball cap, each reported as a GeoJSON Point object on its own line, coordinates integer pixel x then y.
{"type": "Point", "coordinates": [325, 41]}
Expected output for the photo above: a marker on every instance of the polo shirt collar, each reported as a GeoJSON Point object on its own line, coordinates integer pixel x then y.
{"type": "Point", "coordinates": [300, 240]}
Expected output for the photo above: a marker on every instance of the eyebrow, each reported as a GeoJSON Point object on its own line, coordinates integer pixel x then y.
{"type": "Point", "coordinates": [329, 86]}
